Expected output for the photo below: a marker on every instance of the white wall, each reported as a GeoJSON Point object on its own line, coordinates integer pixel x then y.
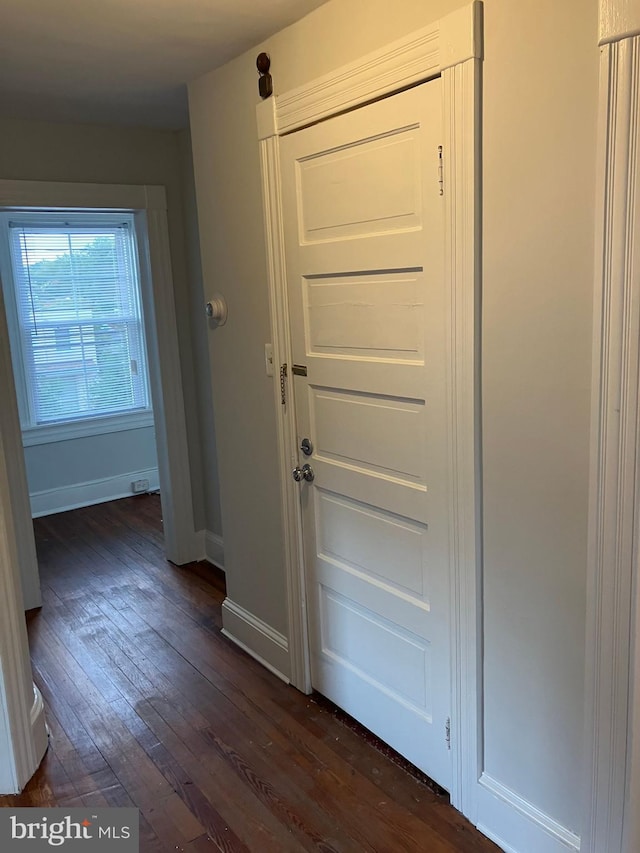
{"type": "Point", "coordinates": [233, 262]}
{"type": "Point", "coordinates": [206, 469]}
{"type": "Point", "coordinates": [92, 153]}
{"type": "Point", "coordinates": [541, 84]}
{"type": "Point", "coordinates": [64, 463]}
{"type": "Point", "coordinates": [108, 463]}
{"type": "Point", "coordinates": [539, 108]}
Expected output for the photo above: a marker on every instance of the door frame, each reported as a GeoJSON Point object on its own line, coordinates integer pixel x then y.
{"type": "Point", "coordinates": [149, 205]}
{"type": "Point", "coordinates": [612, 685]}
{"type": "Point", "coordinates": [452, 49]}
{"type": "Point", "coordinates": [23, 731]}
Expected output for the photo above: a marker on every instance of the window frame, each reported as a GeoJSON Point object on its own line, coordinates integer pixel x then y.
{"type": "Point", "coordinates": [82, 426]}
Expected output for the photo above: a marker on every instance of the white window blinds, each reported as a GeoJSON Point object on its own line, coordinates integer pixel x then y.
{"type": "Point", "coordinates": [79, 319]}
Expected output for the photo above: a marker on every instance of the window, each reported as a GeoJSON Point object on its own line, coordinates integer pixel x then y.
{"type": "Point", "coordinates": [72, 293]}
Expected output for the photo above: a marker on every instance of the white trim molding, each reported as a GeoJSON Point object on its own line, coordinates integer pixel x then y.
{"type": "Point", "coordinates": [299, 667]}
{"type": "Point", "coordinates": [165, 375]}
{"type": "Point", "coordinates": [515, 824]}
{"type": "Point", "coordinates": [407, 61]}
{"type": "Point", "coordinates": [214, 549]}
{"type": "Point", "coordinates": [211, 548]}
{"type": "Point", "coordinates": [403, 63]}
{"type": "Point", "coordinates": [91, 492]}
{"type": "Point", "coordinates": [615, 439]}
{"type": "Point", "coordinates": [39, 727]}
{"type": "Point", "coordinates": [451, 47]}
{"type": "Point", "coordinates": [23, 735]}
{"type": "Point", "coordinates": [256, 638]}
{"type": "Point", "coordinates": [631, 820]}
{"type": "Point", "coordinates": [461, 171]}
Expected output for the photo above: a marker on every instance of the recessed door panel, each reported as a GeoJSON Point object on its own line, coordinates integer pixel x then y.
{"type": "Point", "coordinates": [374, 316]}
{"type": "Point", "coordinates": [339, 194]}
{"type": "Point", "coordinates": [376, 650]}
{"type": "Point", "coordinates": [393, 495]}
{"type": "Point", "coordinates": [355, 428]}
{"type": "Point", "coordinates": [374, 542]}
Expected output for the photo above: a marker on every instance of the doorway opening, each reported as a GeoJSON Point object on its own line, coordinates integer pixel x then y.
{"type": "Point", "coordinates": [79, 357]}
{"type": "Point", "coordinates": [73, 302]}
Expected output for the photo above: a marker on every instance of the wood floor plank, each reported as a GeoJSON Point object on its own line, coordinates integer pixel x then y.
{"type": "Point", "coordinates": [349, 798]}
{"type": "Point", "coordinates": [150, 706]}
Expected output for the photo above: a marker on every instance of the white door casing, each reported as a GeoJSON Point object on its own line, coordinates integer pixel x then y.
{"type": "Point", "coordinates": [23, 733]}
{"type": "Point", "coordinates": [364, 229]}
{"type": "Point", "coordinates": [612, 711]}
{"type": "Point", "coordinates": [452, 48]}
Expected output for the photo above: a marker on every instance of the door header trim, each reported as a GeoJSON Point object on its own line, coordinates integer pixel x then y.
{"type": "Point", "coordinates": [405, 62]}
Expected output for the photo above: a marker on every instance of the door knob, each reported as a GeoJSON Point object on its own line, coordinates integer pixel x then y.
{"type": "Point", "coordinates": [305, 473]}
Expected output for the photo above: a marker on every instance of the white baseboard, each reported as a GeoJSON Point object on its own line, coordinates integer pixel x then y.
{"type": "Point", "coordinates": [210, 547]}
{"type": "Point", "coordinates": [92, 492]}
{"type": "Point", "coordinates": [516, 825]}
{"type": "Point", "coordinates": [39, 727]}
{"type": "Point", "coordinates": [14, 775]}
{"type": "Point", "coordinates": [257, 638]}
{"type": "Point", "coordinates": [214, 549]}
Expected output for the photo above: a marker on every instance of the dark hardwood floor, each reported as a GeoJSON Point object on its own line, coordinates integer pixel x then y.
{"type": "Point", "coordinates": [150, 706]}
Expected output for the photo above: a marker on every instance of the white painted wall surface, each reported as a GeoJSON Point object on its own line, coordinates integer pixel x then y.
{"type": "Point", "coordinates": [540, 102]}
{"type": "Point", "coordinates": [618, 19]}
{"type": "Point", "coordinates": [204, 469]}
{"type": "Point", "coordinates": [540, 88]}
{"type": "Point", "coordinates": [92, 153]}
{"type": "Point", "coordinates": [233, 262]}
{"type": "Point", "coordinates": [79, 460]}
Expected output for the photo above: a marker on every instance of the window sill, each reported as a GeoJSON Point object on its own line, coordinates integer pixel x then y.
{"type": "Point", "coordinates": [83, 429]}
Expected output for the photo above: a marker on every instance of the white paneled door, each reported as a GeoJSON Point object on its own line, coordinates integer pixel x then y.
{"type": "Point", "coordinates": [364, 244]}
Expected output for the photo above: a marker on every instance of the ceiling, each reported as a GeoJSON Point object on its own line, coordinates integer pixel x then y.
{"type": "Point", "coordinates": [123, 61]}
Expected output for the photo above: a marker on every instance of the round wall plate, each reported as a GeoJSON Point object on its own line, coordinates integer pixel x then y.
{"type": "Point", "coordinates": [216, 309]}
